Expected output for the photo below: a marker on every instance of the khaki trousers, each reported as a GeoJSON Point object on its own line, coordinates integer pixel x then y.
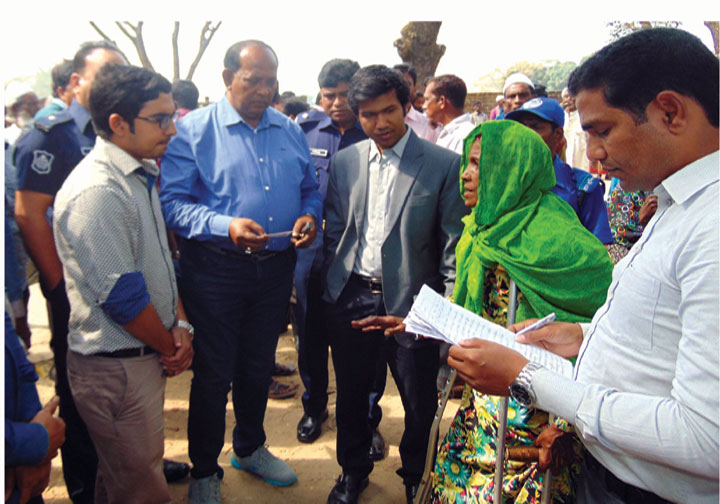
{"type": "Point", "coordinates": [121, 402]}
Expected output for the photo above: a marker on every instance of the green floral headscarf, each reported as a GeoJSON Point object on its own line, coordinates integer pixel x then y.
{"type": "Point", "coordinates": [557, 264]}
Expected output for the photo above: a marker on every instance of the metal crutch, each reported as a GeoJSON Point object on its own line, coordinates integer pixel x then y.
{"type": "Point", "coordinates": [425, 488]}
{"type": "Point", "coordinates": [501, 451]}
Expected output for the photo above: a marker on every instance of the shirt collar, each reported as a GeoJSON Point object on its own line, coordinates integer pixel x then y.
{"type": "Point", "coordinates": [123, 161]}
{"type": "Point", "coordinates": [686, 182]}
{"type": "Point", "coordinates": [396, 149]}
{"type": "Point", "coordinates": [80, 115]}
{"type": "Point", "coordinates": [229, 116]}
{"type": "Point", "coordinates": [463, 118]}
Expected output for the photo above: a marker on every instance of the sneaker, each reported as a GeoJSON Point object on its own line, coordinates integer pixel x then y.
{"type": "Point", "coordinates": [267, 466]}
{"type": "Point", "coordinates": [205, 490]}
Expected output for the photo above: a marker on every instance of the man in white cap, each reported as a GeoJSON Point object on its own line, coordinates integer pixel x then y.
{"type": "Point", "coordinates": [21, 104]}
{"type": "Point", "coordinates": [517, 90]}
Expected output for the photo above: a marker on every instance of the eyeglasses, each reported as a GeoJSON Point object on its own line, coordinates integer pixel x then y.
{"type": "Point", "coordinates": [162, 120]}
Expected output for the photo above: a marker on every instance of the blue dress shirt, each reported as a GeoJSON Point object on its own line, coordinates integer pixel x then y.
{"type": "Point", "coordinates": [218, 168]}
{"type": "Point", "coordinates": [586, 195]}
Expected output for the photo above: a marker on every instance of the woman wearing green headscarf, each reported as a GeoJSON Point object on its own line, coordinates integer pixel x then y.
{"type": "Point", "coordinates": [517, 230]}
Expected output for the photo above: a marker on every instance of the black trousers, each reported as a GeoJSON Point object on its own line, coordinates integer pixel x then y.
{"type": "Point", "coordinates": [79, 460]}
{"type": "Point", "coordinates": [355, 357]}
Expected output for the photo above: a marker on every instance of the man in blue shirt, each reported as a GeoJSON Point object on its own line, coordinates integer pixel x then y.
{"type": "Point", "coordinates": [582, 191]}
{"type": "Point", "coordinates": [44, 157]}
{"type": "Point", "coordinates": [239, 189]}
{"type": "Point", "coordinates": [327, 131]}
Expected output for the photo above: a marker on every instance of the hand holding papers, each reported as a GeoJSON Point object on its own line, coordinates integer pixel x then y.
{"type": "Point", "coordinates": [433, 316]}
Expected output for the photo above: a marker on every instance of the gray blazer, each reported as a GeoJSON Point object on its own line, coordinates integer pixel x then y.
{"type": "Point", "coordinates": [423, 223]}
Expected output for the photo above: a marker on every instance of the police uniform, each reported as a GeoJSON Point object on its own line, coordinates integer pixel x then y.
{"type": "Point", "coordinates": [44, 157]}
{"type": "Point", "coordinates": [586, 195]}
{"type": "Point", "coordinates": [324, 139]}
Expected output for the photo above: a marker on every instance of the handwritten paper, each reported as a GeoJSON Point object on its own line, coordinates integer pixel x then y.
{"type": "Point", "coordinates": [433, 316]}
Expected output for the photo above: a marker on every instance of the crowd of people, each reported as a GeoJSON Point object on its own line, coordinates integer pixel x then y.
{"type": "Point", "coordinates": [168, 237]}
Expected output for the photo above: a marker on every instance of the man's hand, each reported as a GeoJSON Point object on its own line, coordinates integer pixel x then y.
{"type": "Point", "coordinates": [648, 209]}
{"type": "Point", "coordinates": [556, 449]}
{"type": "Point", "coordinates": [55, 427]}
{"type": "Point", "coordinates": [181, 360]}
{"type": "Point", "coordinates": [303, 239]}
{"type": "Point", "coordinates": [488, 367]}
{"type": "Point", "coordinates": [391, 324]}
{"type": "Point", "coordinates": [561, 338]}
{"type": "Point", "coordinates": [32, 480]}
{"type": "Point", "coordinates": [247, 234]}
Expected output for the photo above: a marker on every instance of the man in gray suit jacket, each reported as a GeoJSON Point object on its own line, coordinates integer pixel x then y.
{"type": "Point", "coordinates": [393, 218]}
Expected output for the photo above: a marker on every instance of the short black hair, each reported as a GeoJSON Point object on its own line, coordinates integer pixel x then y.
{"type": "Point", "coordinates": [78, 62]}
{"type": "Point", "coordinates": [61, 75]}
{"type": "Point", "coordinates": [295, 106]}
{"type": "Point", "coordinates": [124, 90]}
{"type": "Point", "coordinates": [232, 55]}
{"type": "Point", "coordinates": [376, 80]}
{"type": "Point", "coordinates": [336, 71]}
{"type": "Point", "coordinates": [541, 91]}
{"type": "Point", "coordinates": [185, 94]}
{"type": "Point", "coordinates": [451, 87]}
{"type": "Point", "coordinates": [407, 69]}
{"type": "Point", "coordinates": [632, 71]}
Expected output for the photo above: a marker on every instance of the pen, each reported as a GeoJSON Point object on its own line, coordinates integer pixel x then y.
{"type": "Point", "coordinates": [539, 324]}
{"type": "Point", "coordinates": [307, 227]}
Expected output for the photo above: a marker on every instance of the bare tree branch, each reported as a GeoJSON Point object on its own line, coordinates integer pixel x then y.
{"type": "Point", "coordinates": [137, 41]}
{"type": "Point", "coordinates": [176, 55]}
{"type": "Point", "coordinates": [108, 39]}
{"type": "Point", "coordinates": [206, 36]}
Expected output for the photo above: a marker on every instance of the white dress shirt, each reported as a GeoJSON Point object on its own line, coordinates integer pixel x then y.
{"type": "Point", "coordinates": [645, 395]}
{"type": "Point", "coordinates": [453, 133]}
{"type": "Point", "coordinates": [421, 125]}
{"type": "Point", "coordinates": [382, 173]}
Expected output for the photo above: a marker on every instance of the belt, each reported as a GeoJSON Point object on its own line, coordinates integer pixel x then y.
{"type": "Point", "coordinates": [128, 352]}
{"type": "Point", "coordinates": [261, 255]}
{"type": "Point", "coordinates": [373, 284]}
{"type": "Point", "coordinates": [626, 492]}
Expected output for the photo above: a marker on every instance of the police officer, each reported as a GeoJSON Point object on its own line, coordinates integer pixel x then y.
{"type": "Point", "coordinates": [582, 191]}
{"type": "Point", "coordinates": [327, 131]}
{"type": "Point", "coordinates": [44, 157]}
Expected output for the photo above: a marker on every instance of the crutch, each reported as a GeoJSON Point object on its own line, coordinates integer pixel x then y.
{"type": "Point", "coordinates": [502, 453]}
{"type": "Point", "coordinates": [425, 488]}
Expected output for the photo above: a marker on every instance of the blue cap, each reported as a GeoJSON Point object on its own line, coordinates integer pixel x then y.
{"type": "Point", "coordinates": [544, 108]}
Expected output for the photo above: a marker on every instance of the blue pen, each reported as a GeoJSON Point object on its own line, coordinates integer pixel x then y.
{"type": "Point", "coordinates": [539, 324]}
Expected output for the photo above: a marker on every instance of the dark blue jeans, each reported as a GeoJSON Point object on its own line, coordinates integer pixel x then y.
{"type": "Point", "coordinates": [237, 304]}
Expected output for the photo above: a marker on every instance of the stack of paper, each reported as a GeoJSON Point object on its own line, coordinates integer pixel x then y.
{"type": "Point", "coordinates": [435, 317]}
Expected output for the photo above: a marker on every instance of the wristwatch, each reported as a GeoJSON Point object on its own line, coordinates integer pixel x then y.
{"type": "Point", "coordinates": [186, 325]}
{"type": "Point", "coordinates": [521, 389]}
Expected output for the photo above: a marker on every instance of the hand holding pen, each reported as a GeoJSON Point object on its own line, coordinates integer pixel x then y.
{"type": "Point", "coordinates": [561, 338]}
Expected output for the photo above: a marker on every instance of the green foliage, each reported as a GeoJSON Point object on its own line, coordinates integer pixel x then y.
{"type": "Point", "coordinates": [552, 74]}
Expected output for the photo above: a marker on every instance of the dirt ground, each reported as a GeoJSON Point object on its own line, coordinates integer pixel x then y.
{"type": "Point", "coordinates": [315, 464]}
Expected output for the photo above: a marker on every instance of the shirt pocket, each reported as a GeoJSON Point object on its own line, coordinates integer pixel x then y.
{"type": "Point", "coordinates": [636, 303]}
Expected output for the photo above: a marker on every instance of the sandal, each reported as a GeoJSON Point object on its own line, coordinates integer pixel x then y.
{"type": "Point", "coordinates": [281, 390]}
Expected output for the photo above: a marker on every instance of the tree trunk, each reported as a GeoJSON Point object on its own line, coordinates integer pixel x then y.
{"type": "Point", "coordinates": [713, 27]}
{"type": "Point", "coordinates": [417, 46]}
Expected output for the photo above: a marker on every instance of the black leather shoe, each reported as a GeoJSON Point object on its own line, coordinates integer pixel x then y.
{"type": "Point", "coordinates": [347, 489]}
{"type": "Point", "coordinates": [410, 492]}
{"type": "Point", "coordinates": [175, 471]}
{"type": "Point", "coordinates": [309, 428]}
{"type": "Point", "coordinates": [377, 447]}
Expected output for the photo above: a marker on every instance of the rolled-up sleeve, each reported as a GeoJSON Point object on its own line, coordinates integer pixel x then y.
{"type": "Point", "coordinates": [100, 226]}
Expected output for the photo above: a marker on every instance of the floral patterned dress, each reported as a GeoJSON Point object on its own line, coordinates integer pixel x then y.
{"type": "Point", "coordinates": [465, 464]}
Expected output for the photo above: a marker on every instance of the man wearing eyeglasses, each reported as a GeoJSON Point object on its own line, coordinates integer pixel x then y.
{"type": "Point", "coordinates": [128, 329]}
{"type": "Point", "coordinates": [44, 157]}
{"type": "Point", "coordinates": [239, 189]}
